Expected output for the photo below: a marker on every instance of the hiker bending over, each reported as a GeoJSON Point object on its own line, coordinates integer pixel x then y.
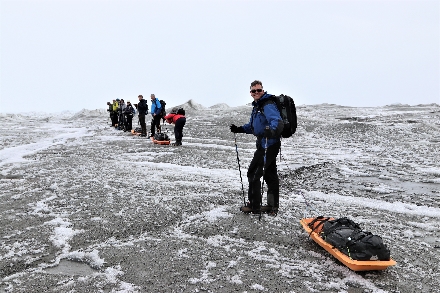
{"type": "Point", "coordinates": [178, 119]}
{"type": "Point", "coordinates": [155, 112]}
{"type": "Point", "coordinates": [142, 107]}
{"type": "Point", "coordinates": [265, 123]}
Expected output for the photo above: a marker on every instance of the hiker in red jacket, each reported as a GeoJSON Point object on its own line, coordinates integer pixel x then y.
{"type": "Point", "coordinates": [177, 117]}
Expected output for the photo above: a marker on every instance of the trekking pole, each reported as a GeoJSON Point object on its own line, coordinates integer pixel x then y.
{"type": "Point", "coordinates": [238, 161]}
{"type": "Point", "coordinates": [262, 181]}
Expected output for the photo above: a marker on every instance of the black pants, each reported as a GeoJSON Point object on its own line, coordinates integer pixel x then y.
{"type": "Point", "coordinates": [128, 122]}
{"type": "Point", "coordinates": [155, 123]}
{"type": "Point", "coordinates": [178, 128]}
{"type": "Point", "coordinates": [114, 116]}
{"type": "Point", "coordinates": [120, 121]}
{"type": "Point", "coordinates": [255, 172]}
{"type": "Point", "coordinates": [143, 124]}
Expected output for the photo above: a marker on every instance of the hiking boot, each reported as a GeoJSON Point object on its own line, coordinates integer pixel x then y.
{"type": "Point", "coordinates": [266, 209]}
{"type": "Point", "coordinates": [249, 209]}
{"type": "Point", "coordinates": [273, 211]}
{"type": "Point", "coordinates": [270, 210]}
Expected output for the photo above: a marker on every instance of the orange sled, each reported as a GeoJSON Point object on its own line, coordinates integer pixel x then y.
{"type": "Point", "coordinates": [165, 142]}
{"type": "Point", "coordinates": [355, 265]}
{"type": "Point", "coordinates": [135, 133]}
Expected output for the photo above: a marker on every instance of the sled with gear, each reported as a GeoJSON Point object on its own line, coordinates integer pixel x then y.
{"type": "Point", "coordinates": [136, 131]}
{"type": "Point", "coordinates": [343, 238]}
{"type": "Point", "coordinates": [160, 138]}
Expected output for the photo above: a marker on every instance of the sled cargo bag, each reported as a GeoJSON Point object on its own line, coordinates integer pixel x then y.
{"type": "Point", "coordinates": [349, 238]}
{"type": "Point", "coordinates": [357, 254]}
{"type": "Point", "coordinates": [137, 131]}
{"type": "Point", "coordinates": [160, 138]}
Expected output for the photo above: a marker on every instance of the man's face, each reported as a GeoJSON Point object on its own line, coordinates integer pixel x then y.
{"type": "Point", "coordinates": [257, 92]}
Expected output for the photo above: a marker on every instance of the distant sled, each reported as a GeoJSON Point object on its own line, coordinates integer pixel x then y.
{"type": "Point", "coordinates": [160, 138]}
{"type": "Point", "coordinates": [134, 132]}
{"type": "Point", "coordinates": [355, 265]}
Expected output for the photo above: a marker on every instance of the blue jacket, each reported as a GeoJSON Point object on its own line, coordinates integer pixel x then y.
{"type": "Point", "coordinates": [155, 107]}
{"type": "Point", "coordinates": [258, 121]}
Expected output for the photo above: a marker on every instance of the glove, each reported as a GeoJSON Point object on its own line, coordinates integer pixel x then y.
{"type": "Point", "coordinates": [236, 129]}
{"type": "Point", "coordinates": [268, 132]}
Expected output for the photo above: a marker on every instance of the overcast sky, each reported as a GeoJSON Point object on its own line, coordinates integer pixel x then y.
{"type": "Point", "coordinates": [70, 55]}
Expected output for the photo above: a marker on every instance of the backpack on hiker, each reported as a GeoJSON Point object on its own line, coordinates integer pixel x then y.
{"type": "Point", "coordinates": [287, 109]}
{"type": "Point", "coordinates": [345, 235]}
{"type": "Point", "coordinates": [178, 110]}
{"type": "Point", "coordinates": [163, 113]}
{"type": "Point", "coordinates": [181, 111]}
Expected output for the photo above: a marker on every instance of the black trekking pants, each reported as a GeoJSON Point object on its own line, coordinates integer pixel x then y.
{"type": "Point", "coordinates": [143, 124]}
{"type": "Point", "coordinates": [255, 172]}
{"type": "Point", "coordinates": [155, 123]}
{"type": "Point", "coordinates": [178, 128]}
{"type": "Point", "coordinates": [114, 116]}
{"type": "Point", "coordinates": [129, 122]}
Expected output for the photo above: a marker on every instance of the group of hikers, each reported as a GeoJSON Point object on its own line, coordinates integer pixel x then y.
{"type": "Point", "coordinates": [266, 123]}
{"type": "Point", "coordinates": [121, 115]}
{"type": "Point", "coordinates": [272, 118]}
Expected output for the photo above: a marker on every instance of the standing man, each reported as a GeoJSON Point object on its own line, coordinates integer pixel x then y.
{"type": "Point", "coordinates": [155, 112]}
{"type": "Point", "coordinates": [142, 111]}
{"type": "Point", "coordinates": [110, 110]}
{"type": "Point", "coordinates": [128, 112]}
{"type": "Point", "coordinates": [121, 123]}
{"type": "Point", "coordinates": [115, 108]}
{"type": "Point", "coordinates": [266, 124]}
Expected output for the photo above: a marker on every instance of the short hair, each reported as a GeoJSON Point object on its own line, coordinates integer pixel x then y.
{"type": "Point", "coordinates": [255, 82]}
{"type": "Point", "coordinates": [141, 96]}
{"type": "Point", "coordinates": [153, 96]}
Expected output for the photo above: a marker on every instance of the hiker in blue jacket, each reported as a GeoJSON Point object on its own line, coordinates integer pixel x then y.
{"type": "Point", "coordinates": [156, 109]}
{"type": "Point", "coordinates": [266, 124]}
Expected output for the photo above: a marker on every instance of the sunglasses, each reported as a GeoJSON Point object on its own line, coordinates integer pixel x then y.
{"type": "Point", "coordinates": [257, 90]}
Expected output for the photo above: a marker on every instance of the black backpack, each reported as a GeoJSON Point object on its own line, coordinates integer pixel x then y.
{"type": "Point", "coordinates": [163, 113]}
{"type": "Point", "coordinates": [181, 111]}
{"type": "Point", "coordinates": [347, 236]}
{"type": "Point", "coordinates": [160, 136]}
{"type": "Point", "coordinates": [287, 109]}
{"type": "Point", "coordinates": [178, 110]}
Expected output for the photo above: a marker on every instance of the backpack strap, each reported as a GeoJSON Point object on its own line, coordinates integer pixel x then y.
{"type": "Point", "coordinates": [319, 219]}
{"type": "Point", "coordinates": [269, 100]}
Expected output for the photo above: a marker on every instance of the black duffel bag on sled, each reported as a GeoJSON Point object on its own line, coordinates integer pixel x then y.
{"type": "Point", "coordinates": [161, 136]}
{"type": "Point", "coordinates": [347, 236]}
